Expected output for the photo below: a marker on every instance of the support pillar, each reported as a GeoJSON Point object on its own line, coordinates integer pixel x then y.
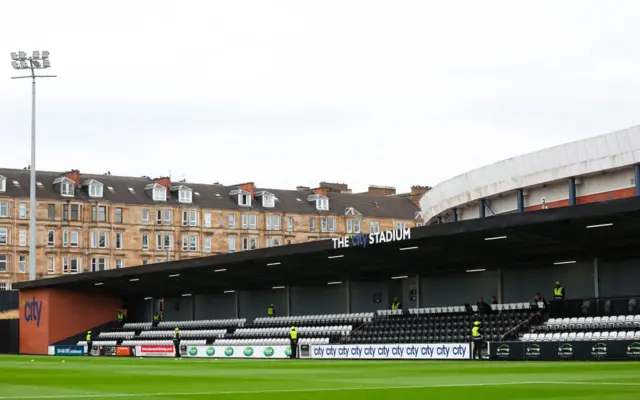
{"type": "Point", "coordinates": [237, 301]}
{"type": "Point", "coordinates": [418, 287]}
{"type": "Point", "coordinates": [499, 294]}
{"type": "Point", "coordinates": [483, 206]}
{"type": "Point", "coordinates": [520, 194]}
{"type": "Point", "coordinates": [454, 212]}
{"type": "Point", "coordinates": [572, 191]}
{"type": "Point", "coordinates": [348, 290]}
{"type": "Point", "coordinates": [637, 179]}
{"type": "Point", "coordinates": [596, 278]}
{"type": "Point", "coordinates": [288, 300]}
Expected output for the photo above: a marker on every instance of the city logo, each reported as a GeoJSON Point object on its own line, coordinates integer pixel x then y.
{"type": "Point", "coordinates": [248, 351]}
{"type": "Point", "coordinates": [599, 350]}
{"type": "Point", "coordinates": [533, 350]}
{"type": "Point", "coordinates": [269, 352]}
{"type": "Point", "coordinates": [503, 350]}
{"type": "Point", "coordinates": [287, 351]}
{"type": "Point", "coordinates": [32, 310]}
{"type": "Point", "coordinates": [565, 350]}
{"type": "Point", "coordinates": [211, 351]}
{"type": "Point", "coordinates": [228, 351]}
{"type": "Point", "coordinates": [633, 350]}
{"type": "Point", "coordinates": [193, 351]}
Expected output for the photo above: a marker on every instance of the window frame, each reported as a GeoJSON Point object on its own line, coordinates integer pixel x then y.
{"type": "Point", "coordinates": [74, 243]}
{"type": "Point", "coordinates": [244, 199]}
{"type": "Point", "coordinates": [185, 196]}
{"type": "Point", "coordinates": [145, 216]}
{"type": "Point", "coordinates": [51, 238]}
{"type": "Point", "coordinates": [207, 244]}
{"type": "Point", "coordinates": [119, 219]}
{"type": "Point", "coordinates": [159, 193]}
{"type": "Point", "coordinates": [22, 210]}
{"type": "Point", "coordinates": [96, 190]}
{"type": "Point", "coordinates": [268, 201]}
{"type": "Point", "coordinates": [4, 209]}
{"type": "Point", "coordinates": [22, 265]}
{"type": "Point", "coordinates": [67, 188]}
{"type": "Point", "coordinates": [289, 224]}
{"type": "Point", "coordinates": [4, 260]}
{"type": "Point", "coordinates": [51, 265]}
{"type": "Point", "coordinates": [145, 238]}
{"type": "Point", "coordinates": [231, 242]}
{"type": "Point", "coordinates": [208, 220]}
{"type": "Point", "coordinates": [51, 212]}
{"type": "Point", "coordinates": [119, 240]}
{"type": "Point", "coordinates": [22, 234]}
{"type": "Point", "coordinates": [232, 221]}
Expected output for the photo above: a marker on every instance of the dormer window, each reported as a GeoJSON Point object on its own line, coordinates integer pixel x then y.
{"type": "Point", "coordinates": [322, 202]}
{"type": "Point", "coordinates": [185, 194]}
{"type": "Point", "coordinates": [158, 192]}
{"type": "Point", "coordinates": [268, 199]}
{"type": "Point", "coordinates": [3, 184]}
{"type": "Point", "coordinates": [67, 186]}
{"type": "Point", "coordinates": [244, 197]}
{"type": "Point", "coordinates": [95, 188]}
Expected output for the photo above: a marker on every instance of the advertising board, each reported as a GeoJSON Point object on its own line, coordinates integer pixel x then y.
{"type": "Point", "coordinates": [125, 351]}
{"type": "Point", "coordinates": [435, 351]}
{"type": "Point", "coordinates": [236, 351]}
{"type": "Point", "coordinates": [618, 350]}
{"type": "Point", "coordinates": [155, 351]}
{"type": "Point", "coordinates": [69, 350]}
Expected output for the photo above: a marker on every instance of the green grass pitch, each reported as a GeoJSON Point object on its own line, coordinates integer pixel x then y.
{"type": "Point", "coordinates": [194, 379]}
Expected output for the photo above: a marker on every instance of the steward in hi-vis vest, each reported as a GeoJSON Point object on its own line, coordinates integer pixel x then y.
{"type": "Point", "coordinates": [293, 335]}
{"type": "Point", "coordinates": [477, 339]}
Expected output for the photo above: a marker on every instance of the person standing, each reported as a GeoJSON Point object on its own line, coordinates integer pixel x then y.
{"type": "Point", "coordinates": [156, 319]}
{"type": "Point", "coordinates": [558, 301]}
{"type": "Point", "coordinates": [271, 311]}
{"type": "Point", "coordinates": [89, 342]}
{"type": "Point", "coordinates": [396, 304]}
{"type": "Point", "coordinates": [477, 338]}
{"type": "Point", "coordinates": [293, 335]}
{"type": "Point", "coordinates": [121, 318]}
{"type": "Point", "coordinates": [176, 341]}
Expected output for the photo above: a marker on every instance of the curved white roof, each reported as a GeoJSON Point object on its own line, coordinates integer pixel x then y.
{"type": "Point", "coordinates": [587, 156]}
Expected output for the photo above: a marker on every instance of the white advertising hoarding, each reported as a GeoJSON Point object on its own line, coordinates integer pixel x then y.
{"type": "Point", "coordinates": [155, 351]}
{"type": "Point", "coordinates": [433, 351]}
{"type": "Point", "coordinates": [238, 351]}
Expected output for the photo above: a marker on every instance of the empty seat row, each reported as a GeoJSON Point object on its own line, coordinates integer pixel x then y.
{"type": "Point", "coordinates": [587, 323]}
{"type": "Point", "coordinates": [331, 330]}
{"type": "Point", "coordinates": [302, 319]}
{"type": "Point", "coordinates": [99, 343]}
{"type": "Point", "coordinates": [184, 334]}
{"type": "Point", "coordinates": [233, 322]}
{"type": "Point", "coordinates": [117, 335]}
{"type": "Point", "coordinates": [137, 325]}
{"type": "Point", "coordinates": [268, 342]}
{"type": "Point", "coordinates": [580, 336]}
{"type": "Point", "coordinates": [138, 342]}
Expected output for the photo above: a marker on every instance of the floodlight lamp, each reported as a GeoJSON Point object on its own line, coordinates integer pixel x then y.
{"type": "Point", "coordinates": [36, 55]}
{"type": "Point", "coordinates": [14, 56]}
{"type": "Point", "coordinates": [23, 64]}
{"type": "Point", "coordinates": [15, 64]}
{"type": "Point", "coordinates": [22, 55]}
{"type": "Point", "coordinates": [45, 55]}
{"type": "Point", "coordinates": [46, 63]}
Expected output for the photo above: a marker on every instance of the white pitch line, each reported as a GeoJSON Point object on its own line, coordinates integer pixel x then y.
{"type": "Point", "coordinates": [453, 385]}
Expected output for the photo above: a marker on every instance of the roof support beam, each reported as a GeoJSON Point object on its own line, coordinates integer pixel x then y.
{"type": "Point", "coordinates": [637, 178]}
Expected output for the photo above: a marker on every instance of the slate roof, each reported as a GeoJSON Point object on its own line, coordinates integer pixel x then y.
{"type": "Point", "coordinates": [116, 190]}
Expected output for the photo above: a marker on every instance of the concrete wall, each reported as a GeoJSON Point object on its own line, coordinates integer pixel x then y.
{"type": "Point", "coordinates": [178, 308]}
{"type": "Point", "coordinates": [362, 296]}
{"type": "Point", "coordinates": [328, 299]}
{"type": "Point", "coordinates": [619, 278]}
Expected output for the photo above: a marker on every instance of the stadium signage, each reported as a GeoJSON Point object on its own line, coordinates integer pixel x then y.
{"type": "Point", "coordinates": [362, 240]}
{"type": "Point", "coordinates": [68, 350]}
{"type": "Point", "coordinates": [155, 351]}
{"type": "Point", "coordinates": [32, 311]}
{"type": "Point", "coordinates": [554, 351]}
{"type": "Point", "coordinates": [236, 351]}
{"type": "Point", "coordinates": [444, 351]}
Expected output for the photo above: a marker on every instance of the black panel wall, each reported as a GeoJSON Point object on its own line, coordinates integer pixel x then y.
{"type": "Point", "coordinates": [328, 299]}
{"type": "Point", "coordinates": [9, 332]}
{"type": "Point", "coordinates": [362, 295]}
{"type": "Point", "coordinates": [9, 300]}
{"type": "Point", "coordinates": [215, 306]}
{"type": "Point", "coordinates": [619, 278]}
{"type": "Point", "coordinates": [521, 284]}
{"type": "Point", "coordinates": [255, 304]}
{"type": "Point", "coordinates": [178, 309]}
{"type": "Point", "coordinates": [458, 289]}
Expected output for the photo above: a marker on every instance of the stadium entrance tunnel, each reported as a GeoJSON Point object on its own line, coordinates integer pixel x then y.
{"type": "Point", "coordinates": [434, 267]}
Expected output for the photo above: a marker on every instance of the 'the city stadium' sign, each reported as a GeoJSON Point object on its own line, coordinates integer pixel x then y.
{"type": "Point", "coordinates": [362, 240]}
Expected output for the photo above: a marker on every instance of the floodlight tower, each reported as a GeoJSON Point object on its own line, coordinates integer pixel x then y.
{"type": "Point", "coordinates": [20, 61]}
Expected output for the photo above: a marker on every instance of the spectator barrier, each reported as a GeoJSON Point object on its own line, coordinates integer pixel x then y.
{"type": "Point", "coordinates": [617, 350]}
{"type": "Point", "coordinates": [440, 351]}
{"type": "Point", "coordinates": [236, 351]}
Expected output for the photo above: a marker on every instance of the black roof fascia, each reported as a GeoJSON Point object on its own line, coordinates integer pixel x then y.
{"type": "Point", "coordinates": [488, 224]}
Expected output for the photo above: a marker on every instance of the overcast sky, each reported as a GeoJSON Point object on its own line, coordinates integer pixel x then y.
{"type": "Point", "coordinates": [287, 93]}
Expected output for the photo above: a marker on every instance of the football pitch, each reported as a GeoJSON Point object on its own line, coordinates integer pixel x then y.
{"type": "Point", "coordinates": [193, 379]}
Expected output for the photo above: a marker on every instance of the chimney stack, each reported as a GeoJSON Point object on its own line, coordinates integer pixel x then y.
{"type": "Point", "coordinates": [164, 181]}
{"type": "Point", "coordinates": [74, 175]}
{"type": "Point", "coordinates": [417, 192]}
{"type": "Point", "coordinates": [248, 187]}
{"type": "Point", "coordinates": [302, 188]}
{"type": "Point", "coordinates": [381, 190]}
{"type": "Point", "coordinates": [335, 187]}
